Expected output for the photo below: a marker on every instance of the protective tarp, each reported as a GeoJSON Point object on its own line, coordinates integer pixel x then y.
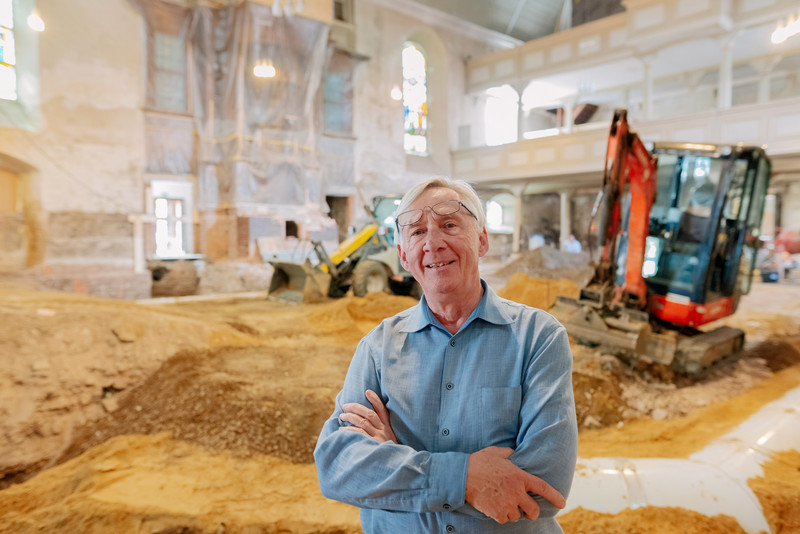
{"type": "Point", "coordinates": [247, 121]}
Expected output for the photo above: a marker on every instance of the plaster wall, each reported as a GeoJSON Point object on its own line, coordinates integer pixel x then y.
{"type": "Point", "coordinates": [381, 163]}
{"type": "Point", "coordinates": [791, 206]}
{"type": "Point", "coordinates": [84, 153]}
{"type": "Point", "coordinates": [92, 79]}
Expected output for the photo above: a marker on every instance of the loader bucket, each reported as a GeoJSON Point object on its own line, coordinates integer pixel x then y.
{"type": "Point", "coordinates": [298, 282]}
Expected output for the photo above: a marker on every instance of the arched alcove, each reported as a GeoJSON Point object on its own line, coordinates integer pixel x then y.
{"type": "Point", "coordinates": [21, 218]}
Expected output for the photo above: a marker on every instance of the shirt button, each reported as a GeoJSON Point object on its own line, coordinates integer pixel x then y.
{"type": "Point", "coordinates": [446, 506]}
{"type": "Point", "coordinates": [446, 432]}
{"type": "Point", "coordinates": [449, 385]}
{"type": "Point", "coordinates": [452, 342]}
{"type": "Point", "coordinates": [451, 528]}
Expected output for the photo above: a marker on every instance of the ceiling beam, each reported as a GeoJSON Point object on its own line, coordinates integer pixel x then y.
{"type": "Point", "coordinates": [515, 16]}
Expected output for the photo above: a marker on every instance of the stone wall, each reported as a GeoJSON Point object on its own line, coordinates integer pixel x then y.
{"type": "Point", "coordinates": [12, 243]}
{"type": "Point", "coordinates": [74, 236]}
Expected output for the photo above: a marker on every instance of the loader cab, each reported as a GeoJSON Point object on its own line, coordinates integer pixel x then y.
{"type": "Point", "coordinates": [704, 227]}
{"type": "Point", "coordinates": [383, 209]}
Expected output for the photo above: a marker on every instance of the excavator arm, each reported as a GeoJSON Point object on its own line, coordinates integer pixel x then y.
{"type": "Point", "coordinates": [628, 166]}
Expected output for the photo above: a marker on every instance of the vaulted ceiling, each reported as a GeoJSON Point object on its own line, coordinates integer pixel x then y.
{"type": "Point", "coordinates": [521, 19]}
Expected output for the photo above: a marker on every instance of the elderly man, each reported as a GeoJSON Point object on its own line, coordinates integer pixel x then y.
{"type": "Point", "coordinates": [456, 415]}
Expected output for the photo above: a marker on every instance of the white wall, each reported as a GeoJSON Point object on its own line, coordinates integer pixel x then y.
{"type": "Point", "coordinates": [381, 163]}
{"type": "Point", "coordinates": [88, 151]}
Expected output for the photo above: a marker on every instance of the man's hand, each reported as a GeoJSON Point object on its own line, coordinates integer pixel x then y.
{"type": "Point", "coordinates": [373, 423]}
{"type": "Point", "coordinates": [499, 489]}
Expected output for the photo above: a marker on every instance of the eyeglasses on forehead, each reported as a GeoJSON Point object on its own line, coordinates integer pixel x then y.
{"type": "Point", "coordinates": [447, 207]}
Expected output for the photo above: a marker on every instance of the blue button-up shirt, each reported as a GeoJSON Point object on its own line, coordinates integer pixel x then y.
{"type": "Point", "coordinates": [504, 379]}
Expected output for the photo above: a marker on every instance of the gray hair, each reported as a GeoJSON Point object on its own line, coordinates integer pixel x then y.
{"type": "Point", "coordinates": [466, 194]}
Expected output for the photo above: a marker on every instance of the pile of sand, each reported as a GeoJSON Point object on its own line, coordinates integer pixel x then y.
{"type": "Point", "coordinates": [66, 356]}
{"type": "Point", "coordinates": [548, 262]}
{"type": "Point", "coordinates": [778, 490]}
{"type": "Point", "coordinates": [537, 292]}
{"type": "Point", "coordinates": [160, 484]}
{"type": "Point", "coordinates": [648, 520]}
{"type": "Point", "coordinates": [351, 316]}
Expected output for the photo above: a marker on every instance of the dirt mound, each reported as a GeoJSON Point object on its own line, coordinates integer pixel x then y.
{"type": "Point", "coordinates": [266, 399]}
{"type": "Point", "coordinates": [235, 400]}
{"type": "Point", "coordinates": [779, 491]}
{"type": "Point", "coordinates": [352, 316]}
{"type": "Point", "coordinates": [537, 292]}
{"type": "Point", "coordinates": [597, 382]}
{"type": "Point", "coordinates": [63, 354]}
{"type": "Point", "coordinates": [647, 520]}
{"type": "Point", "coordinates": [548, 262]}
{"type": "Point", "coordinates": [159, 484]}
{"type": "Point", "coordinates": [259, 378]}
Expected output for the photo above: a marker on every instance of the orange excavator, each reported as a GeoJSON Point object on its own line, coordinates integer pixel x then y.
{"type": "Point", "coordinates": [679, 228]}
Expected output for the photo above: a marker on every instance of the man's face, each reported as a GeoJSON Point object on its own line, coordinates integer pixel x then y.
{"type": "Point", "coordinates": [442, 251]}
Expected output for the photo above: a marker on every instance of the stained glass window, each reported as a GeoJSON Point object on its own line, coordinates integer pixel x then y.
{"type": "Point", "coordinates": [8, 55]}
{"type": "Point", "coordinates": [415, 100]}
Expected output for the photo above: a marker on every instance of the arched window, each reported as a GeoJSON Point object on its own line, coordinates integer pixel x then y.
{"type": "Point", "coordinates": [501, 115]}
{"type": "Point", "coordinates": [8, 56]}
{"type": "Point", "coordinates": [501, 215]}
{"type": "Point", "coordinates": [415, 100]}
{"type": "Point", "coordinates": [494, 214]}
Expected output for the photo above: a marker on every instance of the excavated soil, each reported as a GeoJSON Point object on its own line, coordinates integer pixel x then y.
{"type": "Point", "coordinates": [648, 520]}
{"type": "Point", "coordinates": [779, 492]}
{"type": "Point", "coordinates": [201, 416]}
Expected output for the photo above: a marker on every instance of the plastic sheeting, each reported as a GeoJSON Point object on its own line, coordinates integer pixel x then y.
{"type": "Point", "coordinates": [251, 141]}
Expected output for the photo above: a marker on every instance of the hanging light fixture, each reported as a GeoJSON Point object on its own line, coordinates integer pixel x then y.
{"type": "Point", "coordinates": [787, 30]}
{"type": "Point", "coordinates": [264, 69]}
{"type": "Point", "coordinates": [35, 22]}
{"type": "Point", "coordinates": [396, 93]}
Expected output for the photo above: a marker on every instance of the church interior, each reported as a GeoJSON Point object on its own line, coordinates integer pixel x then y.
{"type": "Point", "coordinates": [197, 227]}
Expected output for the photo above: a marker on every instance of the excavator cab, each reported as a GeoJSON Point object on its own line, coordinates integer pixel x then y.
{"type": "Point", "coordinates": [679, 226]}
{"type": "Point", "coordinates": [704, 227]}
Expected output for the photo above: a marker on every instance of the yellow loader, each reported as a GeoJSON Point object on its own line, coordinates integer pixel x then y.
{"type": "Point", "coordinates": [365, 262]}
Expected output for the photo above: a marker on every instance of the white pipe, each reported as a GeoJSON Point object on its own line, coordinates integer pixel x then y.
{"type": "Point", "coordinates": [712, 481]}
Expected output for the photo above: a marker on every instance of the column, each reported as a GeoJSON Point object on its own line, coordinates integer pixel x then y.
{"type": "Point", "coordinates": [517, 190]}
{"type": "Point", "coordinates": [569, 115]}
{"type": "Point", "coordinates": [520, 116]}
{"type": "Point", "coordinates": [566, 216]}
{"type": "Point", "coordinates": [764, 67]}
{"type": "Point", "coordinates": [725, 82]}
{"type": "Point", "coordinates": [139, 265]}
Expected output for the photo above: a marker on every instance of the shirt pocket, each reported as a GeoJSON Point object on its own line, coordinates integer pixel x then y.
{"type": "Point", "coordinates": [500, 416]}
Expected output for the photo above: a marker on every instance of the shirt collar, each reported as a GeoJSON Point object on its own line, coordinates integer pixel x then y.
{"type": "Point", "coordinates": [488, 309]}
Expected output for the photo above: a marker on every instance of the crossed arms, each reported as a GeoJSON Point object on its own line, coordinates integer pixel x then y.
{"type": "Point", "coordinates": [495, 486]}
{"type": "Point", "coordinates": [374, 457]}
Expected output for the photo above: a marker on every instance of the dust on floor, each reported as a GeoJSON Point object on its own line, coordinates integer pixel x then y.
{"type": "Point", "coordinates": [235, 395]}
